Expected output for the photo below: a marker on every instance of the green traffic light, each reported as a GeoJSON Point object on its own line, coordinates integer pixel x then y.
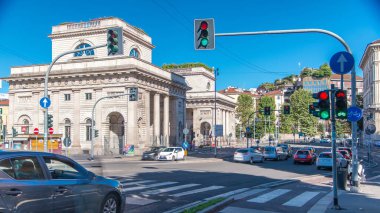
{"type": "Point", "coordinates": [204, 42]}
{"type": "Point", "coordinates": [325, 115]}
{"type": "Point", "coordinates": [341, 114]}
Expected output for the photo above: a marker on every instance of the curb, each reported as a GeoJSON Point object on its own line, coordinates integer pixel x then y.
{"type": "Point", "coordinates": [218, 206]}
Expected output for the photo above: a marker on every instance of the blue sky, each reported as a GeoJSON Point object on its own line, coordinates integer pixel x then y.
{"type": "Point", "coordinates": [242, 61]}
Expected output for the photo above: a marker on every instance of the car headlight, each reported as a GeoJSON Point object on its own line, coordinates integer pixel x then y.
{"type": "Point", "coordinates": [120, 187]}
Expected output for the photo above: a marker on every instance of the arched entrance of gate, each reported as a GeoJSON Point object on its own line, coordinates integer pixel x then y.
{"type": "Point", "coordinates": [114, 141]}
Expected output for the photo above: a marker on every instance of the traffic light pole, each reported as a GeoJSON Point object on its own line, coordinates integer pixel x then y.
{"type": "Point", "coordinates": [46, 85]}
{"type": "Point", "coordinates": [333, 138]}
{"type": "Point", "coordinates": [355, 162]}
{"type": "Point", "coordinates": [93, 123]}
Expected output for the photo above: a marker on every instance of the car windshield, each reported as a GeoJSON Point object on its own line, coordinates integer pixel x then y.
{"type": "Point", "coordinates": [169, 150]}
{"type": "Point", "coordinates": [302, 152]}
{"type": "Point", "coordinates": [153, 149]}
{"type": "Point", "coordinates": [242, 150]}
{"type": "Point", "coordinates": [325, 155]}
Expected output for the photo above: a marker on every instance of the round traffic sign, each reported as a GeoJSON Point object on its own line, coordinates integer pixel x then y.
{"type": "Point", "coordinates": [354, 114]}
{"type": "Point", "coordinates": [342, 62]}
{"type": "Point", "coordinates": [185, 145]}
{"type": "Point", "coordinates": [186, 131]}
{"type": "Point", "coordinates": [36, 131]}
{"type": "Point", "coordinates": [51, 130]}
{"type": "Point", "coordinates": [370, 129]}
{"type": "Point", "coordinates": [45, 102]}
{"type": "Point", "coordinates": [67, 142]}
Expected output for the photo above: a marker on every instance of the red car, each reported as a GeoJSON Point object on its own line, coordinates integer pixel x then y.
{"type": "Point", "coordinates": [346, 149]}
{"type": "Point", "coordinates": [304, 156]}
{"type": "Point", "coordinates": [345, 154]}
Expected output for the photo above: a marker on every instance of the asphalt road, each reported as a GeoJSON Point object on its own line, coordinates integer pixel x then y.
{"type": "Point", "coordinates": [153, 186]}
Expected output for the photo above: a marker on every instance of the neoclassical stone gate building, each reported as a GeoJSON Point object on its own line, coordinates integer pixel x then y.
{"type": "Point", "coordinates": [78, 80]}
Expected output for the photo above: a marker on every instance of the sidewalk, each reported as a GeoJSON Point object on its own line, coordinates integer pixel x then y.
{"type": "Point", "coordinates": [367, 200]}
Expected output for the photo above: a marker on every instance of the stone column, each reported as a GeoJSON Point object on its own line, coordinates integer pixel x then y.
{"type": "Point", "coordinates": [148, 138]}
{"type": "Point", "coordinates": [132, 129]}
{"type": "Point", "coordinates": [156, 128]}
{"type": "Point", "coordinates": [166, 120]}
{"type": "Point", "coordinates": [76, 147]}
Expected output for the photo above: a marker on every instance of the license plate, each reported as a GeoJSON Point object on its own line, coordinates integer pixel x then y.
{"type": "Point", "coordinates": [302, 156]}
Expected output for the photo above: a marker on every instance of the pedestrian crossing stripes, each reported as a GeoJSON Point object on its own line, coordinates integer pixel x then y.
{"type": "Point", "coordinates": [147, 186]}
{"type": "Point", "coordinates": [301, 199]}
{"type": "Point", "coordinates": [159, 191]}
{"type": "Point", "coordinates": [197, 191]}
{"type": "Point", "coordinates": [136, 182]}
{"type": "Point", "coordinates": [269, 196]}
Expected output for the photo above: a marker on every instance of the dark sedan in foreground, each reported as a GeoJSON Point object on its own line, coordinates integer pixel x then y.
{"type": "Point", "coordinates": [45, 182]}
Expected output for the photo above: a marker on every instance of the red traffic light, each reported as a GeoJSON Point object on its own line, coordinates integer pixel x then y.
{"type": "Point", "coordinates": [340, 94]}
{"type": "Point", "coordinates": [204, 25]}
{"type": "Point", "coordinates": [323, 95]}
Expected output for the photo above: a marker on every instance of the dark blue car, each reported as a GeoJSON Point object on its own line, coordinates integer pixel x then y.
{"type": "Point", "coordinates": [45, 182]}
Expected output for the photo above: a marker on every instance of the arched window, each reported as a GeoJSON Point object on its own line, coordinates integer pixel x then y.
{"type": "Point", "coordinates": [25, 123]}
{"type": "Point", "coordinates": [88, 130]}
{"type": "Point", "coordinates": [134, 53]}
{"type": "Point", "coordinates": [67, 128]}
{"type": "Point", "coordinates": [83, 53]}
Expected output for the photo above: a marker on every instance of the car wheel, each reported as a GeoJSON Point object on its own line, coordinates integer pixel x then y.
{"type": "Point", "coordinates": [110, 204]}
{"type": "Point", "coordinates": [251, 161]}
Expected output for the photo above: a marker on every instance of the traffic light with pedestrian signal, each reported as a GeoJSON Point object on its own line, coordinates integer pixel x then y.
{"type": "Point", "coordinates": [323, 104]}
{"type": "Point", "coordinates": [341, 104]}
{"type": "Point", "coordinates": [204, 34]}
{"type": "Point", "coordinates": [286, 110]}
{"type": "Point", "coordinates": [266, 110]}
{"type": "Point", "coordinates": [50, 121]}
{"type": "Point", "coordinates": [115, 41]}
{"type": "Point", "coordinates": [133, 92]}
{"type": "Point", "coordinates": [14, 132]}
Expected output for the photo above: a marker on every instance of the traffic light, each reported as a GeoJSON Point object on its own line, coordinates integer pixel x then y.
{"type": "Point", "coordinates": [266, 110]}
{"type": "Point", "coordinates": [323, 104]}
{"type": "Point", "coordinates": [311, 109]}
{"type": "Point", "coordinates": [96, 133]}
{"type": "Point", "coordinates": [133, 92]}
{"type": "Point", "coordinates": [286, 110]}
{"type": "Point", "coordinates": [115, 41]}
{"type": "Point", "coordinates": [14, 132]}
{"type": "Point", "coordinates": [341, 104]}
{"type": "Point", "coordinates": [50, 121]}
{"type": "Point", "coordinates": [204, 34]}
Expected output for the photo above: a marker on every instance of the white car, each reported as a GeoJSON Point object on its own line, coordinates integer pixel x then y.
{"type": "Point", "coordinates": [172, 153]}
{"type": "Point", "coordinates": [325, 160]}
{"type": "Point", "coordinates": [248, 155]}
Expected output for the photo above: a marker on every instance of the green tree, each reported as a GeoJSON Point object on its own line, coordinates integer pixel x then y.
{"type": "Point", "coordinates": [244, 108]}
{"type": "Point", "coordinates": [342, 127]}
{"type": "Point", "coordinates": [267, 86]}
{"type": "Point", "coordinates": [286, 123]}
{"type": "Point", "coordinates": [325, 69]}
{"type": "Point", "coordinates": [306, 72]}
{"type": "Point", "coordinates": [265, 123]}
{"type": "Point", "coordinates": [299, 113]}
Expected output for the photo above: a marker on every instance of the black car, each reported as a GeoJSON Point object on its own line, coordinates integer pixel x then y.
{"type": "Point", "coordinates": [46, 182]}
{"type": "Point", "coordinates": [152, 153]}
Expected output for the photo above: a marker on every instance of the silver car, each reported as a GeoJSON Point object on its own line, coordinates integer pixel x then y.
{"type": "Point", "coordinates": [45, 182]}
{"type": "Point", "coordinates": [248, 155]}
{"type": "Point", "coordinates": [275, 153]}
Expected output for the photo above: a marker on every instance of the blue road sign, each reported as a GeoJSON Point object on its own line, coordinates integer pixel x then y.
{"type": "Point", "coordinates": [185, 145]}
{"type": "Point", "coordinates": [354, 114]}
{"type": "Point", "coordinates": [45, 102]}
{"type": "Point", "coordinates": [342, 62]}
{"type": "Point", "coordinates": [247, 129]}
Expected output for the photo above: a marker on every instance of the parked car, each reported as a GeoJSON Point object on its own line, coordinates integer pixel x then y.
{"type": "Point", "coordinates": [46, 182]}
{"type": "Point", "coordinates": [259, 148]}
{"type": "Point", "coordinates": [248, 155]}
{"type": "Point", "coordinates": [287, 148]}
{"type": "Point", "coordinates": [346, 149]}
{"type": "Point", "coordinates": [275, 153]}
{"type": "Point", "coordinates": [325, 160]}
{"type": "Point", "coordinates": [152, 154]}
{"type": "Point", "coordinates": [304, 156]}
{"type": "Point", "coordinates": [325, 140]}
{"type": "Point", "coordinates": [172, 153]}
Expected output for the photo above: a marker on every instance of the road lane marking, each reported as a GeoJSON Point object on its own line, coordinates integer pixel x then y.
{"type": "Point", "coordinates": [269, 196]}
{"type": "Point", "coordinates": [197, 191]}
{"type": "Point", "coordinates": [136, 182]}
{"type": "Point", "coordinates": [159, 191]}
{"type": "Point", "coordinates": [248, 193]}
{"type": "Point", "coordinates": [141, 201]}
{"type": "Point", "coordinates": [301, 199]}
{"type": "Point", "coordinates": [228, 193]}
{"type": "Point", "coordinates": [147, 186]}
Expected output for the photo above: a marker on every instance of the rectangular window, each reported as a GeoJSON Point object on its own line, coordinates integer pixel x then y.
{"type": "Point", "coordinates": [27, 168]}
{"type": "Point", "coordinates": [88, 96]}
{"type": "Point", "coordinates": [88, 133]}
{"type": "Point", "coordinates": [67, 97]}
{"type": "Point", "coordinates": [62, 170]}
